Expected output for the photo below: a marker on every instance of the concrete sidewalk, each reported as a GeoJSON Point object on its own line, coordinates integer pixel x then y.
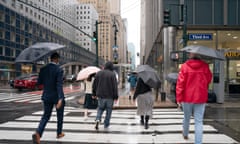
{"type": "Point", "coordinates": [125, 103]}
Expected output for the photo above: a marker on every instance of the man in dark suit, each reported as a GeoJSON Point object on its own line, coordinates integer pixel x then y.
{"type": "Point", "coordinates": [51, 76]}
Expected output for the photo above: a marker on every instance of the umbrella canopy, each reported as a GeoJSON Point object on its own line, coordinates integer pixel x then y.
{"type": "Point", "coordinates": [37, 51]}
{"type": "Point", "coordinates": [84, 73]}
{"type": "Point", "coordinates": [172, 77]}
{"type": "Point", "coordinates": [204, 51]}
{"type": "Point", "coordinates": [149, 76]}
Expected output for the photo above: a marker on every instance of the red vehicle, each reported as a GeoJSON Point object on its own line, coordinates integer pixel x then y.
{"type": "Point", "coordinates": [27, 82]}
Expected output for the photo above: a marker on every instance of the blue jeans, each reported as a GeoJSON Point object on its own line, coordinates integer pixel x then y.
{"type": "Point", "coordinates": [105, 104]}
{"type": "Point", "coordinates": [198, 112]}
{"type": "Point", "coordinates": [48, 106]}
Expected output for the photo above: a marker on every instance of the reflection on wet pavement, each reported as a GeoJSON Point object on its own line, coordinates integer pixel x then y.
{"type": "Point", "coordinates": [224, 117]}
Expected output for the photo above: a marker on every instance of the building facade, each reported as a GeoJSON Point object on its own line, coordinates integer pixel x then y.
{"type": "Point", "coordinates": [22, 25]}
{"type": "Point", "coordinates": [218, 20]}
{"type": "Point", "coordinates": [86, 17]}
{"type": "Point", "coordinates": [110, 21]}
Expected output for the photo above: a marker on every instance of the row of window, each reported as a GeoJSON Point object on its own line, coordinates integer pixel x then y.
{"type": "Point", "coordinates": [83, 7]}
{"type": "Point", "coordinates": [8, 52]}
{"type": "Point", "coordinates": [83, 12]}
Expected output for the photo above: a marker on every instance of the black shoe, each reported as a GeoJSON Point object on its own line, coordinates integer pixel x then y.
{"type": "Point", "coordinates": [141, 122]}
{"type": "Point", "coordinates": [146, 126]}
{"type": "Point", "coordinates": [129, 97]}
{"type": "Point", "coordinates": [97, 123]}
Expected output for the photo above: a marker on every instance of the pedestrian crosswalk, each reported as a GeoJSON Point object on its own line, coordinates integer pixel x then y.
{"type": "Point", "coordinates": [165, 127]}
{"type": "Point", "coordinates": [29, 98]}
{"type": "Point", "coordinates": [34, 97]}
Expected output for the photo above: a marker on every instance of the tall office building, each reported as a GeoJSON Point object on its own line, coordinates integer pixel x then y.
{"type": "Point", "coordinates": [109, 14]}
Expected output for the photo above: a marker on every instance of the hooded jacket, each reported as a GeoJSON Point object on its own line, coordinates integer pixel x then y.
{"type": "Point", "coordinates": [105, 83]}
{"type": "Point", "coordinates": [193, 80]}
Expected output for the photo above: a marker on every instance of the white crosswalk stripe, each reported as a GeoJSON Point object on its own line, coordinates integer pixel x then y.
{"type": "Point", "coordinates": [165, 127]}
{"type": "Point", "coordinates": [26, 97]}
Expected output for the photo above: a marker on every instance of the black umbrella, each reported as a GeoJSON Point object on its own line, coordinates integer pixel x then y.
{"type": "Point", "coordinates": [149, 76]}
{"type": "Point", "coordinates": [37, 51]}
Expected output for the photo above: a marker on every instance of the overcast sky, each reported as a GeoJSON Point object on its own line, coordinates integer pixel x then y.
{"type": "Point", "coordinates": [130, 9]}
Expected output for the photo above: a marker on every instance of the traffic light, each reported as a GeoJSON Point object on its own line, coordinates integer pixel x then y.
{"type": "Point", "coordinates": [94, 36]}
{"type": "Point", "coordinates": [166, 17]}
{"type": "Point", "coordinates": [115, 56]}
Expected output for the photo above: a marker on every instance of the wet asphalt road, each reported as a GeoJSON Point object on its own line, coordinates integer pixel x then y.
{"type": "Point", "coordinates": [224, 117]}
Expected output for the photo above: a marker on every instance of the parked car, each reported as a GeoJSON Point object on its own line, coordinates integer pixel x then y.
{"type": "Point", "coordinates": [27, 82]}
{"type": "Point", "coordinates": [70, 78]}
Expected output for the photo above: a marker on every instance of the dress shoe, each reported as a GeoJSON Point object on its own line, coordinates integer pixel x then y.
{"type": "Point", "coordinates": [60, 135]}
{"type": "Point", "coordinates": [36, 138]}
{"type": "Point", "coordinates": [185, 137]}
{"type": "Point", "coordinates": [129, 97]}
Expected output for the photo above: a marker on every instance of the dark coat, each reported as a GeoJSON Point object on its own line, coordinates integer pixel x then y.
{"type": "Point", "coordinates": [105, 83]}
{"type": "Point", "coordinates": [51, 76]}
{"type": "Point", "coordinates": [141, 88]}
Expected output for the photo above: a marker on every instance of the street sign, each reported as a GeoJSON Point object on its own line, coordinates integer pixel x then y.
{"type": "Point", "coordinates": [199, 36]}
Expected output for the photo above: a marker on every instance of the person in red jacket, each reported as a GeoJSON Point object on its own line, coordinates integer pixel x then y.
{"type": "Point", "coordinates": [192, 93]}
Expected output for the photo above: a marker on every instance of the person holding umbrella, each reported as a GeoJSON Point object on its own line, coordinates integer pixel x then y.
{"type": "Point", "coordinates": [192, 93]}
{"type": "Point", "coordinates": [147, 79]}
{"type": "Point", "coordinates": [145, 101]}
{"type": "Point", "coordinates": [51, 76]}
{"type": "Point", "coordinates": [90, 102]}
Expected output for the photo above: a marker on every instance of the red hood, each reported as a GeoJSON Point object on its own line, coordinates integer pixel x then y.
{"type": "Point", "coordinates": [195, 63]}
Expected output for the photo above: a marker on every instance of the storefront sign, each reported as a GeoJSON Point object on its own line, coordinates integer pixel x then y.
{"type": "Point", "coordinates": [198, 36]}
{"type": "Point", "coordinates": [232, 55]}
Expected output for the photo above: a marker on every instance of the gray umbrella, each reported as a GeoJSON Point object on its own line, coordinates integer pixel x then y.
{"type": "Point", "coordinates": [172, 77]}
{"type": "Point", "coordinates": [37, 51]}
{"type": "Point", "coordinates": [149, 76]}
{"type": "Point", "coordinates": [204, 51]}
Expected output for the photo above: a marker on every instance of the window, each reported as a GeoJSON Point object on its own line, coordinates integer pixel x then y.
{"type": "Point", "coordinates": [12, 20]}
{"type": "Point", "coordinates": [22, 25]}
{"type": "Point", "coordinates": [2, 33]}
{"type": "Point", "coordinates": [21, 6]}
{"type": "Point", "coordinates": [2, 16]}
{"type": "Point", "coordinates": [21, 40]}
{"type": "Point", "coordinates": [12, 36]}
{"type": "Point", "coordinates": [9, 52]}
{"type": "Point", "coordinates": [1, 51]}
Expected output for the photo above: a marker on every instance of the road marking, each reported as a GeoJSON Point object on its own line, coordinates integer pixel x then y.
{"type": "Point", "coordinates": [165, 127]}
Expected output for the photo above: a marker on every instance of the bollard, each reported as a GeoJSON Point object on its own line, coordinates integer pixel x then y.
{"type": "Point", "coordinates": [163, 96]}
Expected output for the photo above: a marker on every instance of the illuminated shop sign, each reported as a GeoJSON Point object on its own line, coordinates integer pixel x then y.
{"type": "Point", "coordinates": [232, 54]}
